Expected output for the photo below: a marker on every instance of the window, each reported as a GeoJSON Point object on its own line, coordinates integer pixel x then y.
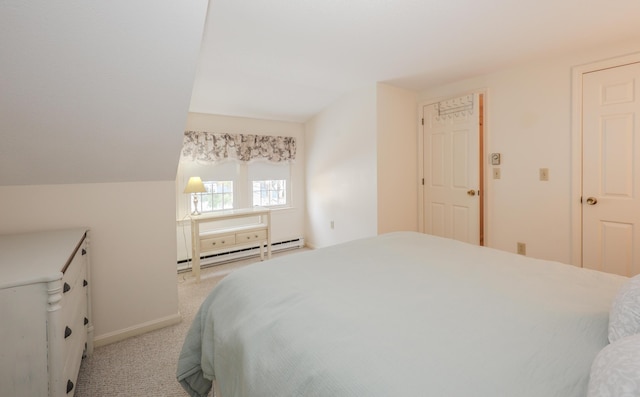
{"type": "Point", "coordinates": [232, 185]}
{"type": "Point", "coordinates": [237, 170]}
{"type": "Point", "coordinates": [269, 193]}
{"type": "Point", "coordinates": [269, 184]}
{"type": "Point", "coordinates": [219, 196]}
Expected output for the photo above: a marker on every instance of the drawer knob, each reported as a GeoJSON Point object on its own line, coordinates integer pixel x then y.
{"type": "Point", "coordinates": [67, 332]}
{"type": "Point", "coordinates": [222, 241]}
{"type": "Point", "coordinates": [85, 283]}
{"type": "Point", "coordinates": [65, 288]}
{"type": "Point", "coordinates": [69, 385]}
{"type": "Point", "coordinates": [84, 251]}
{"type": "Point", "coordinates": [86, 321]}
{"type": "Point", "coordinates": [214, 243]}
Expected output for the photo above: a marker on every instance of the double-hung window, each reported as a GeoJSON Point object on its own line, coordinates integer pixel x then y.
{"type": "Point", "coordinates": [269, 193]}
{"type": "Point", "coordinates": [220, 182]}
{"type": "Point", "coordinates": [219, 196]}
{"type": "Point", "coordinates": [269, 184]}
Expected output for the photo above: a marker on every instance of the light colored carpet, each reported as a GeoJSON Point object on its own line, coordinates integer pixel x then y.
{"type": "Point", "coordinates": [145, 365]}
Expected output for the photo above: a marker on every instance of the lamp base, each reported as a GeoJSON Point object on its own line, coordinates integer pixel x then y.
{"type": "Point", "coordinates": [195, 205]}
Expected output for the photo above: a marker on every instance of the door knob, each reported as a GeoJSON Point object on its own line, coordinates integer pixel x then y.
{"type": "Point", "coordinates": [471, 192]}
{"type": "Point", "coordinates": [592, 201]}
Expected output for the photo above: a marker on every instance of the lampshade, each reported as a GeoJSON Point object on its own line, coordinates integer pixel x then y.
{"type": "Point", "coordinates": [195, 185]}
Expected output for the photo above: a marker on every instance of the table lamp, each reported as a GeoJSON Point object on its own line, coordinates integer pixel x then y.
{"type": "Point", "coordinates": [195, 186]}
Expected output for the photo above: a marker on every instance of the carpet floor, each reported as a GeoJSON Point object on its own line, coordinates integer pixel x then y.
{"type": "Point", "coordinates": [145, 365]}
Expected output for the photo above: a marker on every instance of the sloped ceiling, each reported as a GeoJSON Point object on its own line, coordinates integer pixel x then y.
{"type": "Point", "coordinates": [287, 60]}
{"type": "Point", "coordinates": [95, 91]}
{"type": "Point", "coordinates": [98, 91]}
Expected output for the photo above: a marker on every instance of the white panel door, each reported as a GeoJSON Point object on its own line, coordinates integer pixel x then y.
{"type": "Point", "coordinates": [611, 170]}
{"type": "Point", "coordinates": [452, 176]}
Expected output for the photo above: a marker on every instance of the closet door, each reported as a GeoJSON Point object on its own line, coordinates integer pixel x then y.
{"type": "Point", "coordinates": [611, 170]}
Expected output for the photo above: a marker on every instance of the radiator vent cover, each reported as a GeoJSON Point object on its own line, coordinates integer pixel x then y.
{"type": "Point", "coordinates": [220, 257]}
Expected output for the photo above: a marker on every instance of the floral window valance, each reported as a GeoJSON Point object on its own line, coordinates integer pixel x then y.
{"type": "Point", "coordinates": [215, 147]}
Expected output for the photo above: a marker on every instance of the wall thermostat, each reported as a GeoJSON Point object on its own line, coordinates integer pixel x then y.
{"type": "Point", "coordinates": [495, 158]}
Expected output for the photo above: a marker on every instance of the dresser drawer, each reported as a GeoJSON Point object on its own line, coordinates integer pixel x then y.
{"type": "Point", "coordinates": [73, 270]}
{"type": "Point", "coordinates": [255, 235]}
{"type": "Point", "coordinates": [74, 315]}
{"type": "Point", "coordinates": [215, 243]}
{"type": "Point", "coordinates": [73, 349]}
{"type": "Point", "coordinates": [74, 296]}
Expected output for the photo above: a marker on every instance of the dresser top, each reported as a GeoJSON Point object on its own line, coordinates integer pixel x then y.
{"type": "Point", "coordinates": [37, 257]}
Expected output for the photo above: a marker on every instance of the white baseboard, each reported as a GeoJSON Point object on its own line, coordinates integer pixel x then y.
{"type": "Point", "coordinates": [139, 329]}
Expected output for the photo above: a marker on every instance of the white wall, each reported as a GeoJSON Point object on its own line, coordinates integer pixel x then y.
{"type": "Point", "coordinates": [94, 99]}
{"type": "Point", "coordinates": [132, 251]}
{"type": "Point", "coordinates": [286, 223]}
{"type": "Point", "coordinates": [341, 170]}
{"type": "Point", "coordinates": [397, 159]}
{"type": "Point", "coordinates": [529, 121]}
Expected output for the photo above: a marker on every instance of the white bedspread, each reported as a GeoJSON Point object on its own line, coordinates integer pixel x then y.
{"type": "Point", "coordinates": [403, 314]}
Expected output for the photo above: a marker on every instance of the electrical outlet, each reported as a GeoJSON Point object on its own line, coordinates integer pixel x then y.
{"type": "Point", "coordinates": [522, 249]}
{"type": "Point", "coordinates": [496, 173]}
{"type": "Point", "coordinates": [544, 174]}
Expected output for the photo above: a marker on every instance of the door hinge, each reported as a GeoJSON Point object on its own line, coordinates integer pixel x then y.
{"type": "Point", "coordinates": [423, 121]}
{"type": "Point", "coordinates": [422, 181]}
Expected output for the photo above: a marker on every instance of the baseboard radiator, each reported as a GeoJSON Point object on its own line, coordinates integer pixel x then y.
{"type": "Point", "coordinates": [220, 257]}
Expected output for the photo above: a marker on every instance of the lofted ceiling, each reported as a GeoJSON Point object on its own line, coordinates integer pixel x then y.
{"type": "Point", "coordinates": [99, 91]}
{"type": "Point", "coordinates": [95, 91]}
{"type": "Point", "coordinates": [287, 60]}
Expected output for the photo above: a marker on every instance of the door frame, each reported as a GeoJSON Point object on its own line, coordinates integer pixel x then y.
{"type": "Point", "coordinates": [483, 177]}
{"type": "Point", "coordinates": [576, 144]}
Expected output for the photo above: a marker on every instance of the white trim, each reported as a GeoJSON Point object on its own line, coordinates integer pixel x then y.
{"type": "Point", "coordinates": [420, 173]}
{"type": "Point", "coordinates": [135, 330]}
{"type": "Point", "coordinates": [576, 144]}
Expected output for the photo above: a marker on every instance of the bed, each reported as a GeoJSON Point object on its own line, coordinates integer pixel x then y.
{"type": "Point", "coordinates": [401, 314]}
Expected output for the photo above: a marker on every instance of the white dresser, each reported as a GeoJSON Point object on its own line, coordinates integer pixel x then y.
{"type": "Point", "coordinates": [45, 312]}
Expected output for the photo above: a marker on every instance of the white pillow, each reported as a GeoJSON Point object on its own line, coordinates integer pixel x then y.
{"type": "Point", "coordinates": [615, 372]}
{"type": "Point", "coordinates": [624, 316]}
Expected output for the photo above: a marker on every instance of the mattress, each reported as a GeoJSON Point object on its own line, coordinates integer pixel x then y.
{"type": "Point", "coordinates": [401, 314]}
